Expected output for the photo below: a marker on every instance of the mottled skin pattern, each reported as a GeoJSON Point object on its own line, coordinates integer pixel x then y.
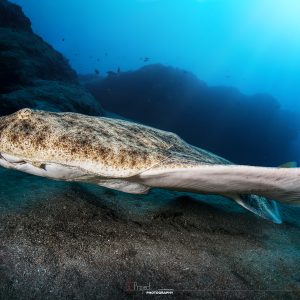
{"type": "Point", "coordinates": [122, 155]}
{"type": "Point", "coordinates": [108, 147]}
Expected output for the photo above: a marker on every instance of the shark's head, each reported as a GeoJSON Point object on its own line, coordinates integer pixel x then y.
{"type": "Point", "coordinates": [17, 130]}
{"type": "Point", "coordinates": [102, 146]}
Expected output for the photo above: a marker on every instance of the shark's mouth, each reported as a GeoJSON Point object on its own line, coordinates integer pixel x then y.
{"type": "Point", "coordinates": [44, 169]}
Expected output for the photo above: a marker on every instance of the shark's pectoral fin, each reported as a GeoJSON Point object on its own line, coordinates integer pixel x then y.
{"type": "Point", "coordinates": [263, 207]}
{"type": "Point", "coordinates": [123, 186]}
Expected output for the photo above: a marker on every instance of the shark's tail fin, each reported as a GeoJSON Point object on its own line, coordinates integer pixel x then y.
{"type": "Point", "coordinates": [261, 206]}
{"type": "Point", "coordinates": [282, 184]}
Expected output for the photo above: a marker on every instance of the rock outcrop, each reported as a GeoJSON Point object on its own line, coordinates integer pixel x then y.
{"type": "Point", "coordinates": [32, 73]}
{"type": "Point", "coordinates": [11, 16]}
{"type": "Point", "coordinates": [244, 129]}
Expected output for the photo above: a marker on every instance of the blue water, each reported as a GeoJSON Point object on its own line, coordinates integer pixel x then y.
{"type": "Point", "coordinates": [252, 45]}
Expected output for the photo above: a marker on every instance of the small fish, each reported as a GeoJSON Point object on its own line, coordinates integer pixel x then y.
{"type": "Point", "coordinates": [119, 70]}
{"type": "Point", "coordinates": [134, 158]}
{"type": "Point", "coordinates": [63, 39]}
{"type": "Point", "coordinates": [97, 71]}
{"type": "Point", "coordinates": [146, 59]}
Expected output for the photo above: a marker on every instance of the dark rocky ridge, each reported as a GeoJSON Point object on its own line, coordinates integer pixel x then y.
{"type": "Point", "coordinates": [244, 129]}
{"type": "Point", "coordinates": [11, 16]}
{"type": "Point", "coordinates": [32, 73]}
{"type": "Point", "coordinates": [51, 96]}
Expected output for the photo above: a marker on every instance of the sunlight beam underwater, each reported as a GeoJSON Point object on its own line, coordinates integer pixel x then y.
{"type": "Point", "coordinates": [133, 158]}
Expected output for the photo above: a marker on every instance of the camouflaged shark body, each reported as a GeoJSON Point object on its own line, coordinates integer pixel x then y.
{"type": "Point", "coordinates": [133, 158]}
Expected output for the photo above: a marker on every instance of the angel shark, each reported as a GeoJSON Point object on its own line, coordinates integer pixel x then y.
{"type": "Point", "coordinates": [134, 158]}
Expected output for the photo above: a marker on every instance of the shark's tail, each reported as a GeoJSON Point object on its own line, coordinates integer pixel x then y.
{"type": "Point", "coordinates": [261, 206]}
{"type": "Point", "coordinates": [282, 184]}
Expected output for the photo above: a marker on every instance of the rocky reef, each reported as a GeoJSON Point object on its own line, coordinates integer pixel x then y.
{"type": "Point", "coordinates": [32, 73]}
{"type": "Point", "coordinates": [12, 16]}
{"type": "Point", "coordinates": [244, 129]}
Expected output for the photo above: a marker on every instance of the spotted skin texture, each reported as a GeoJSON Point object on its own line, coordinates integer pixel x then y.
{"type": "Point", "coordinates": [110, 148]}
{"type": "Point", "coordinates": [132, 158]}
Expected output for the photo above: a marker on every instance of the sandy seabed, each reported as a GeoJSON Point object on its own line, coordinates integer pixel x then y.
{"type": "Point", "coordinates": [73, 241]}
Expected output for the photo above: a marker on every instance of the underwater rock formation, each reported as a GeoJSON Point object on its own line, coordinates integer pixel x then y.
{"type": "Point", "coordinates": [11, 16]}
{"type": "Point", "coordinates": [244, 129]}
{"type": "Point", "coordinates": [32, 73]}
{"type": "Point", "coordinates": [51, 96]}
